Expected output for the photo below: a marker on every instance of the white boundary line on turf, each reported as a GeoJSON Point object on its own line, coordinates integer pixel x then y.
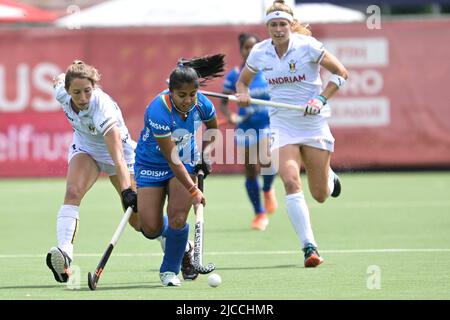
{"type": "Point", "coordinates": [234, 253]}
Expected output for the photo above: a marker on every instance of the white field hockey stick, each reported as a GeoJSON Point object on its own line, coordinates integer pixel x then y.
{"type": "Point", "coordinates": [93, 279]}
{"type": "Point", "coordinates": [198, 237]}
{"type": "Point", "coordinates": [256, 101]}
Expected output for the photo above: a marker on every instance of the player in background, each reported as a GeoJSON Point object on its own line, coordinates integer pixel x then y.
{"type": "Point", "coordinates": [290, 60]}
{"type": "Point", "coordinates": [101, 143]}
{"type": "Point", "coordinates": [252, 136]}
{"type": "Point", "coordinates": [167, 159]}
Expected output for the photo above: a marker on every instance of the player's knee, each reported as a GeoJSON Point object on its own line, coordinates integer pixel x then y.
{"type": "Point", "coordinates": [291, 185]}
{"type": "Point", "coordinates": [74, 194]}
{"type": "Point", "coordinates": [177, 222]}
{"type": "Point", "coordinates": [150, 230]}
{"type": "Point", "coordinates": [150, 233]}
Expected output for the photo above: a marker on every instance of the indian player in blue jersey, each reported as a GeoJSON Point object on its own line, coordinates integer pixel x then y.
{"type": "Point", "coordinates": [167, 159]}
{"type": "Point", "coordinates": [252, 136]}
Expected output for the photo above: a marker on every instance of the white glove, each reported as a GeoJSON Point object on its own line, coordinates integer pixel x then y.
{"type": "Point", "coordinates": [314, 106]}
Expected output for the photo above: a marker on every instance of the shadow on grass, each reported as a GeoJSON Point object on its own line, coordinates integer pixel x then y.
{"type": "Point", "coordinates": [115, 286]}
{"type": "Point", "coordinates": [287, 266]}
{"type": "Point", "coordinates": [31, 287]}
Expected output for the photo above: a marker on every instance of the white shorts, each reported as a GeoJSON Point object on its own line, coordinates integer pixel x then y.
{"type": "Point", "coordinates": [307, 130]}
{"type": "Point", "coordinates": [101, 155]}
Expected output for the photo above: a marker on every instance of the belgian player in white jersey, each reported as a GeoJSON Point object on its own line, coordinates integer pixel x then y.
{"type": "Point", "coordinates": [101, 143]}
{"type": "Point", "coordinates": [290, 60]}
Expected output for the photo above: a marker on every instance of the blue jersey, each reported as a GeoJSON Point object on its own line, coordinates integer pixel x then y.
{"type": "Point", "coordinates": [162, 120]}
{"type": "Point", "coordinates": [259, 89]}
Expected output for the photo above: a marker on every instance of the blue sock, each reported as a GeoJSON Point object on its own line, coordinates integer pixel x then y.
{"type": "Point", "coordinates": [165, 226]}
{"type": "Point", "coordinates": [252, 186]}
{"type": "Point", "coordinates": [175, 246]}
{"type": "Point", "coordinates": [268, 181]}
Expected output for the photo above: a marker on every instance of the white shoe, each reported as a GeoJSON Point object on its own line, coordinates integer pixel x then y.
{"type": "Point", "coordinates": [169, 279]}
{"type": "Point", "coordinates": [59, 262]}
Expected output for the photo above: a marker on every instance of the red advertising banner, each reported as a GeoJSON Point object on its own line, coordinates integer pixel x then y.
{"type": "Point", "coordinates": [392, 112]}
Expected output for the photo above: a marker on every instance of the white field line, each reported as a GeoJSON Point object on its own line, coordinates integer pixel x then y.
{"type": "Point", "coordinates": [386, 204]}
{"type": "Point", "coordinates": [238, 253]}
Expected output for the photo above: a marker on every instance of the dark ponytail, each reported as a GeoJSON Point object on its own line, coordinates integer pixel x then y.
{"type": "Point", "coordinates": [243, 37]}
{"type": "Point", "coordinates": [190, 71]}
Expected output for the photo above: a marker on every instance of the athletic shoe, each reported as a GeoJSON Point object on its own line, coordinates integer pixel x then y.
{"type": "Point", "coordinates": [260, 222]}
{"type": "Point", "coordinates": [337, 186]}
{"type": "Point", "coordinates": [270, 201]}
{"type": "Point", "coordinates": [169, 279]}
{"type": "Point", "coordinates": [312, 257]}
{"type": "Point", "coordinates": [187, 270]}
{"type": "Point", "coordinates": [59, 262]}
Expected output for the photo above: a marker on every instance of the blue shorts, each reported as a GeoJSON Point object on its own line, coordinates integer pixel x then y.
{"type": "Point", "coordinates": [153, 176]}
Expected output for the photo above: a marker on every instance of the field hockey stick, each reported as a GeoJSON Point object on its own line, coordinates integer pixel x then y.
{"type": "Point", "coordinates": [198, 237]}
{"type": "Point", "coordinates": [256, 101]}
{"type": "Point", "coordinates": [93, 279]}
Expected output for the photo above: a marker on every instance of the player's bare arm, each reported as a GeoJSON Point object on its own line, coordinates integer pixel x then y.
{"type": "Point", "coordinates": [333, 65]}
{"type": "Point", "coordinates": [242, 87]}
{"type": "Point", "coordinates": [114, 144]}
{"type": "Point", "coordinates": [170, 152]}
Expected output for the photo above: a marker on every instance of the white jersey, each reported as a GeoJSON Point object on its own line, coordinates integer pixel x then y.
{"type": "Point", "coordinates": [294, 78]}
{"type": "Point", "coordinates": [92, 124]}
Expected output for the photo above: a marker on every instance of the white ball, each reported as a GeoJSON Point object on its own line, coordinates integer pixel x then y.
{"type": "Point", "coordinates": [214, 280]}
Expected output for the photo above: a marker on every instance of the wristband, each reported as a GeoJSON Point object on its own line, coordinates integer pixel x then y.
{"type": "Point", "coordinates": [337, 80]}
{"type": "Point", "coordinates": [193, 190]}
{"type": "Point", "coordinates": [322, 98]}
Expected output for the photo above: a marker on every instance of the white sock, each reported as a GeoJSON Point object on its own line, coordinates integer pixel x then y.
{"type": "Point", "coordinates": [299, 215]}
{"type": "Point", "coordinates": [330, 181]}
{"type": "Point", "coordinates": [162, 241]}
{"type": "Point", "coordinates": [66, 228]}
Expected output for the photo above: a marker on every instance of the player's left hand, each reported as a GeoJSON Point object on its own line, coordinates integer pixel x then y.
{"type": "Point", "coordinates": [314, 106]}
{"type": "Point", "coordinates": [129, 199]}
{"type": "Point", "coordinates": [204, 165]}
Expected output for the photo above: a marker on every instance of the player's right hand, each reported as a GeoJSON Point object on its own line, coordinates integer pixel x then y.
{"type": "Point", "coordinates": [243, 99]}
{"type": "Point", "coordinates": [59, 79]}
{"type": "Point", "coordinates": [198, 197]}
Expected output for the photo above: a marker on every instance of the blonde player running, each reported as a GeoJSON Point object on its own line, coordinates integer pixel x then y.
{"type": "Point", "coordinates": [290, 61]}
{"type": "Point", "coordinates": [101, 143]}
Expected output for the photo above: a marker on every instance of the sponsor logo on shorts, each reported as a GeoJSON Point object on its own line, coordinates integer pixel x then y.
{"type": "Point", "coordinates": [153, 173]}
{"type": "Point", "coordinates": [326, 141]}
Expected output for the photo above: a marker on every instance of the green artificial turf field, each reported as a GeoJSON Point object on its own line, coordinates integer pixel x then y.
{"type": "Point", "coordinates": [386, 237]}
